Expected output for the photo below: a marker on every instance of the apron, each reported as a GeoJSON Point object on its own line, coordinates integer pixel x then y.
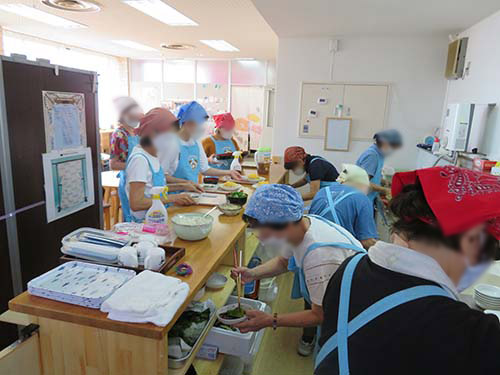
{"type": "Point", "coordinates": [322, 184]}
{"type": "Point", "coordinates": [158, 179]}
{"type": "Point", "coordinates": [334, 202]}
{"type": "Point", "coordinates": [345, 329]}
{"type": "Point", "coordinates": [299, 288]}
{"type": "Point", "coordinates": [132, 141]}
{"type": "Point", "coordinates": [377, 178]}
{"type": "Point", "coordinates": [188, 167]}
{"type": "Point", "coordinates": [223, 147]}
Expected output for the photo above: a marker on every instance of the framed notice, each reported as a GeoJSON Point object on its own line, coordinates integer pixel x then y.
{"type": "Point", "coordinates": [337, 133]}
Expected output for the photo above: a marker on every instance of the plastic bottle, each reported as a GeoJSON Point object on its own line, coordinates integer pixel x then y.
{"type": "Point", "coordinates": [235, 165]}
{"type": "Point", "coordinates": [251, 289]}
{"type": "Point", "coordinates": [157, 213]}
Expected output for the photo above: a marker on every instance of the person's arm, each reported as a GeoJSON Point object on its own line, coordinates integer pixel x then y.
{"type": "Point", "coordinates": [235, 175]}
{"type": "Point", "coordinates": [139, 201]}
{"type": "Point", "coordinates": [299, 183]}
{"type": "Point", "coordinates": [116, 165]}
{"type": "Point", "coordinates": [258, 319]}
{"type": "Point", "coordinates": [273, 267]}
{"type": "Point", "coordinates": [365, 229]}
{"type": "Point", "coordinates": [313, 189]}
{"type": "Point", "coordinates": [380, 189]}
{"type": "Point", "coordinates": [369, 242]}
{"type": "Point", "coordinates": [186, 184]}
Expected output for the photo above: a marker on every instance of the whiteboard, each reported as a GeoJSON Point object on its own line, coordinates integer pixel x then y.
{"type": "Point", "coordinates": [337, 133]}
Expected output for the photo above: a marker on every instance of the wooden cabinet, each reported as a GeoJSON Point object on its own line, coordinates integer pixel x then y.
{"type": "Point", "coordinates": [367, 104]}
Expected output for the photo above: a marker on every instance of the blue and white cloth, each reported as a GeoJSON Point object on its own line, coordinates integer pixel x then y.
{"type": "Point", "coordinates": [275, 203]}
{"type": "Point", "coordinates": [192, 111]}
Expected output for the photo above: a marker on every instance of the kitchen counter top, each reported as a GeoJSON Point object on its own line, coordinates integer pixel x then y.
{"type": "Point", "coordinates": [203, 256]}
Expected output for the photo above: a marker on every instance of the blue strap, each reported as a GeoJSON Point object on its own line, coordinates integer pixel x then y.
{"type": "Point", "coordinates": [343, 317]}
{"type": "Point", "coordinates": [333, 203]}
{"type": "Point", "coordinates": [377, 309]}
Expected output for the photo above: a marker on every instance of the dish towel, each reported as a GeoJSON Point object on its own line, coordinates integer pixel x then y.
{"type": "Point", "coordinates": [149, 297]}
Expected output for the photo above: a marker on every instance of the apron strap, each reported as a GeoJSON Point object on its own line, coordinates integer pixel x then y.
{"type": "Point", "coordinates": [333, 202]}
{"type": "Point", "coordinates": [378, 308]}
{"type": "Point", "coordinates": [337, 227]}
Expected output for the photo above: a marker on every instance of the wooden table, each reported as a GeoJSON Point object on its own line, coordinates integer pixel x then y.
{"type": "Point", "coordinates": [79, 340]}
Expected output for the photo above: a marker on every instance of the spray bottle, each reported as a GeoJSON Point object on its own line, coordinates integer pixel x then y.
{"type": "Point", "coordinates": [235, 165]}
{"type": "Point", "coordinates": [157, 213]}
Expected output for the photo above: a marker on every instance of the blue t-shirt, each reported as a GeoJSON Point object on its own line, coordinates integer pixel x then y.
{"type": "Point", "coordinates": [354, 212]}
{"type": "Point", "coordinates": [369, 160]}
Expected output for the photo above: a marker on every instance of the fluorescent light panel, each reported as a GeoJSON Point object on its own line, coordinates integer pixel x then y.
{"type": "Point", "coordinates": [133, 45]}
{"type": "Point", "coordinates": [220, 45]}
{"type": "Point", "coordinates": [40, 16]}
{"type": "Point", "coordinates": [161, 11]}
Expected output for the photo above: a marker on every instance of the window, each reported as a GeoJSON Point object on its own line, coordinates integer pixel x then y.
{"type": "Point", "coordinates": [112, 70]}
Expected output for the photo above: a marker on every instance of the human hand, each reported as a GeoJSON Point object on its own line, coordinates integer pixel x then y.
{"type": "Point", "coordinates": [213, 160]}
{"type": "Point", "coordinates": [181, 199]}
{"type": "Point", "coordinates": [197, 188]}
{"type": "Point", "coordinates": [246, 273]}
{"type": "Point", "coordinates": [235, 175]}
{"type": "Point", "coordinates": [256, 321]}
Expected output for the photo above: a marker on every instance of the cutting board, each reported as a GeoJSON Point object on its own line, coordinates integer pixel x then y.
{"type": "Point", "coordinates": [209, 199]}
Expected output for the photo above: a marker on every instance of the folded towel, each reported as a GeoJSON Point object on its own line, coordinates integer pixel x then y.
{"type": "Point", "coordinates": [148, 297]}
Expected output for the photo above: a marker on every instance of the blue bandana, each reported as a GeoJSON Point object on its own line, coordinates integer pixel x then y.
{"type": "Point", "coordinates": [192, 111]}
{"type": "Point", "coordinates": [275, 204]}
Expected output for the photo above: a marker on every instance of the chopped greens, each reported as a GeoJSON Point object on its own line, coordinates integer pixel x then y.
{"type": "Point", "coordinates": [235, 313]}
{"type": "Point", "coordinates": [238, 194]}
{"type": "Point", "coordinates": [190, 325]}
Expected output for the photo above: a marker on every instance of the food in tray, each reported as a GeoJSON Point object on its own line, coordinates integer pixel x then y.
{"type": "Point", "coordinates": [230, 186]}
{"type": "Point", "coordinates": [237, 197]}
{"type": "Point", "coordinates": [236, 313]}
{"type": "Point", "coordinates": [260, 183]}
{"type": "Point", "coordinates": [232, 314]}
{"type": "Point", "coordinates": [190, 325]}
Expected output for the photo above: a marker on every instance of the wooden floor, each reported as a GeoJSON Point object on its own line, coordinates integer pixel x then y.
{"type": "Point", "coordinates": [278, 352]}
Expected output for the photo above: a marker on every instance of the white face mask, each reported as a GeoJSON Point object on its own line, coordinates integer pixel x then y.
{"type": "Point", "coordinates": [226, 134]}
{"type": "Point", "coordinates": [298, 171]}
{"type": "Point", "coordinates": [164, 141]}
{"type": "Point", "coordinates": [274, 242]}
{"type": "Point", "coordinates": [199, 132]}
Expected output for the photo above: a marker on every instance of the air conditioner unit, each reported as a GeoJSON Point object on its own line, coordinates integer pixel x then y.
{"type": "Point", "coordinates": [456, 58]}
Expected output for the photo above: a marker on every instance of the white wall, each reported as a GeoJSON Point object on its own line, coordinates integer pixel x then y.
{"type": "Point", "coordinates": [413, 65]}
{"type": "Point", "coordinates": [482, 85]}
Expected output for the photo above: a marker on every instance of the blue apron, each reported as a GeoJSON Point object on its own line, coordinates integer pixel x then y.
{"type": "Point", "coordinates": [223, 147]}
{"type": "Point", "coordinates": [299, 288]}
{"type": "Point", "coordinates": [377, 177]}
{"type": "Point", "coordinates": [189, 162]}
{"type": "Point", "coordinates": [346, 329]}
{"type": "Point", "coordinates": [158, 179]}
{"type": "Point", "coordinates": [132, 141]}
{"type": "Point", "coordinates": [334, 202]}
{"type": "Point", "coordinates": [322, 184]}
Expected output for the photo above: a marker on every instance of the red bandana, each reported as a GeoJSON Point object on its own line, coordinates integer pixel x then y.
{"type": "Point", "coordinates": [224, 121]}
{"type": "Point", "coordinates": [458, 197]}
{"type": "Point", "coordinates": [294, 153]}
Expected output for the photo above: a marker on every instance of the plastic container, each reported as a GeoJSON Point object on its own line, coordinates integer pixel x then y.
{"type": "Point", "coordinates": [235, 164]}
{"type": "Point", "coordinates": [192, 232]}
{"type": "Point", "coordinates": [236, 343]}
{"type": "Point", "coordinates": [268, 290]}
{"type": "Point", "coordinates": [263, 160]}
{"type": "Point", "coordinates": [157, 214]}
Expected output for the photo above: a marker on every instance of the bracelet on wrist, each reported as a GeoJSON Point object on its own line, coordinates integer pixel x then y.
{"type": "Point", "coordinates": [275, 321]}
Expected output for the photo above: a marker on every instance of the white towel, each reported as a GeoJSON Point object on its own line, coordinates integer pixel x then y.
{"type": "Point", "coordinates": [148, 297]}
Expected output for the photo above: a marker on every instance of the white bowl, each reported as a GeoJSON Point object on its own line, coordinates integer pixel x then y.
{"type": "Point", "coordinates": [488, 290]}
{"type": "Point", "coordinates": [199, 229]}
{"type": "Point", "coordinates": [226, 308]}
{"type": "Point", "coordinates": [229, 211]}
{"type": "Point", "coordinates": [230, 188]}
{"type": "Point", "coordinates": [216, 281]}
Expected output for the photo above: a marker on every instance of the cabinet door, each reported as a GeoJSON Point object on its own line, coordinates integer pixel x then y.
{"type": "Point", "coordinates": [314, 126]}
{"type": "Point", "coordinates": [21, 358]}
{"type": "Point", "coordinates": [368, 104]}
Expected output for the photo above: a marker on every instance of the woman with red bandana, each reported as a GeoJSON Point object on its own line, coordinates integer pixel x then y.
{"type": "Point", "coordinates": [316, 171]}
{"type": "Point", "coordinates": [397, 310]}
{"type": "Point", "coordinates": [222, 142]}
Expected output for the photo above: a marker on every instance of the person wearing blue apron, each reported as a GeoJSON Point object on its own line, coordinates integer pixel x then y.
{"type": "Point", "coordinates": [397, 309]}
{"type": "Point", "coordinates": [143, 170]}
{"type": "Point", "coordinates": [123, 139]}
{"type": "Point", "coordinates": [345, 203]}
{"type": "Point", "coordinates": [315, 170]}
{"type": "Point", "coordinates": [372, 159]}
{"type": "Point", "coordinates": [312, 246]}
{"type": "Point", "coordinates": [192, 160]}
{"type": "Point", "coordinates": [222, 142]}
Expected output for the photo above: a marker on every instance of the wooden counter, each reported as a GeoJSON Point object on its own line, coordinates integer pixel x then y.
{"type": "Point", "coordinates": [74, 337]}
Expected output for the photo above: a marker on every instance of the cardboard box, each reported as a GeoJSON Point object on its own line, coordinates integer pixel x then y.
{"type": "Point", "coordinates": [482, 165]}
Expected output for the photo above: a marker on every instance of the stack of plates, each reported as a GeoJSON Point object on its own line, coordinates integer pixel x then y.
{"type": "Point", "coordinates": [487, 296]}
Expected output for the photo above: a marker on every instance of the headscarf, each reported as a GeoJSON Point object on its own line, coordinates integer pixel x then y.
{"type": "Point", "coordinates": [459, 198]}
{"type": "Point", "coordinates": [124, 104]}
{"type": "Point", "coordinates": [192, 111]}
{"type": "Point", "coordinates": [157, 120]}
{"type": "Point", "coordinates": [275, 204]}
{"type": "Point", "coordinates": [391, 136]}
{"type": "Point", "coordinates": [353, 174]}
{"type": "Point", "coordinates": [294, 153]}
{"type": "Point", "coordinates": [224, 121]}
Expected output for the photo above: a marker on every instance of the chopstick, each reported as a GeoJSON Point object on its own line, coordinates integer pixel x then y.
{"type": "Point", "coordinates": [238, 285]}
{"type": "Point", "coordinates": [209, 212]}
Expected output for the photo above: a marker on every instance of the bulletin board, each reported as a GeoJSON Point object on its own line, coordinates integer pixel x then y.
{"type": "Point", "coordinates": [337, 133]}
{"type": "Point", "coordinates": [320, 98]}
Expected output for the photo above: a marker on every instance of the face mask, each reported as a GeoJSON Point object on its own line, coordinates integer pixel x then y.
{"type": "Point", "coordinates": [298, 171]}
{"type": "Point", "coordinates": [226, 134]}
{"type": "Point", "coordinates": [199, 132]}
{"type": "Point", "coordinates": [274, 242]}
{"type": "Point", "coordinates": [471, 274]}
{"type": "Point", "coordinates": [132, 123]}
{"type": "Point", "coordinates": [164, 141]}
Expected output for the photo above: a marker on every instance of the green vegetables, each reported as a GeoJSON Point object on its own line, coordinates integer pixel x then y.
{"type": "Point", "coordinates": [238, 194]}
{"type": "Point", "coordinates": [190, 326]}
{"type": "Point", "coordinates": [235, 313]}
{"type": "Point", "coordinates": [226, 327]}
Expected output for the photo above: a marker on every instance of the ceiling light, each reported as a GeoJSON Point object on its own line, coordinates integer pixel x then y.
{"type": "Point", "coordinates": [161, 11]}
{"type": "Point", "coordinates": [178, 46]}
{"type": "Point", "coordinates": [40, 16]}
{"type": "Point", "coordinates": [220, 45]}
{"type": "Point", "coordinates": [73, 5]}
{"type": "Point", "coordinates": [134, 45]}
